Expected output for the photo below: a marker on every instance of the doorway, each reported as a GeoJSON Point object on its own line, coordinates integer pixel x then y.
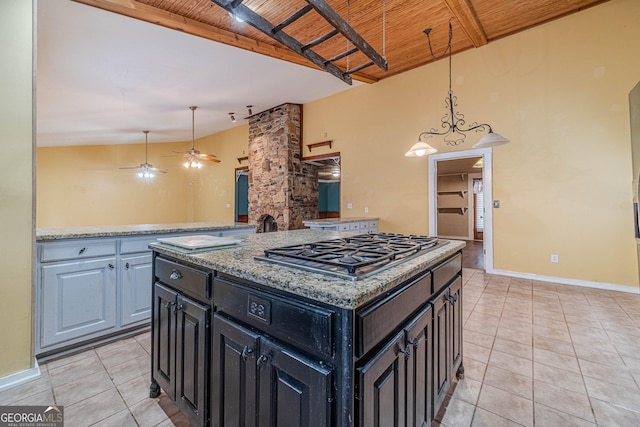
{"type": "Point", "coordinates": [328, 166]}
{"type": "Point", "coordinates": [242, 195]}
{"type": "Point", "coordinates": [484, 249]}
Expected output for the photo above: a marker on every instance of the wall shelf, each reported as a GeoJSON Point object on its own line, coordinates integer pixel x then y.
{"type": "Point", "coordinates": [319, 144]}
{"type": "Point", "coordinates": [240, 159]}
{"type": "Point", "coordinates": [462, 193]}
{"type": "Point", "coordinates": [459, 211]}
{"type": "Point", "coordinates": [461, 175]}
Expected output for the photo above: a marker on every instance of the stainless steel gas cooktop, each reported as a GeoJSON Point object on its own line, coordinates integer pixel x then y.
{"type": "Point", "coordinates": [352, 257]}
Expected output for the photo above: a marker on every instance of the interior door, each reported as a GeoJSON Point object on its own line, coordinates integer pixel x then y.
{"type": "Point", "coordinates": [634, 110]}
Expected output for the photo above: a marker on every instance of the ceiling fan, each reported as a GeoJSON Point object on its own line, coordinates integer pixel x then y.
{"type": "Point", "coordinates": [146, 170]}
{"type": "Point", "coordinates": [193, 156]}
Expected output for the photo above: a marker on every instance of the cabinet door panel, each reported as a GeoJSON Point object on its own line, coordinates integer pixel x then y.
{"type": "Point", "coordinates": [418, 336]}
{"type": "Point", "coordinates": [135, 295]}
{"type": "Point", "coordinates": [456, 324]}
{"type": "Point", "coordinates": [234, 384]}
{"type": "Point", "coordinates": [294, 391]}
{"type": "Point", "coordinates": [441, 350]}
{"type": "Point", "coordinates": [381, 382]}
{"type": "Point", "coordinates": [78, 299]}
{"type": "Point", "coordinates": [164, 338]}
{"type": "Point", "coordinates": [192, 359]}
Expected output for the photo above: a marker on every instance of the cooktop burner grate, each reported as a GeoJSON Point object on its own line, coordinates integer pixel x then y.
{"type": "Point", "coordinates": [352, 257]}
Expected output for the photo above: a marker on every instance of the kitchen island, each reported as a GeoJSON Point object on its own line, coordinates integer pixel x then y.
{"type": "Point", "coordinates": [94, 283]}
{"type": "Point", "coordinates": [241, 341]}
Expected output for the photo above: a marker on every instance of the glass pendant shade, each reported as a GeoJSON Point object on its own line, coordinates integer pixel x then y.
{"type": "Point", "coordinates": [420, 149]}
{"type": "Point", "coordinates": [491, 139]}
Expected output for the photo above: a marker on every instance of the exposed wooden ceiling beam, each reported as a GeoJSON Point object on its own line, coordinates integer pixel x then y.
{"type": "Point", "coordinates": [464, 13]}
{"type": "Point", "coordinates": [143, 12]}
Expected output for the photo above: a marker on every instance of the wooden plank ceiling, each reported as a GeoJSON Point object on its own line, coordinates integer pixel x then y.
{"type": "Point", "coordinates": [475, 23]}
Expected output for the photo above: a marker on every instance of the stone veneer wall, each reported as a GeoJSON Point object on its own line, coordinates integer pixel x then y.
{"type": "Point", "coordinates": [280, 185]}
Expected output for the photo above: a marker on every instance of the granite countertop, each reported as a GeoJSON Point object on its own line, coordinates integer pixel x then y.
{"type": "Point", "coordinates": [238, 261]}
{"type": "Point", "coordinates": [59, 233]}
{"type": "Point", "coordinates": [331, 221]}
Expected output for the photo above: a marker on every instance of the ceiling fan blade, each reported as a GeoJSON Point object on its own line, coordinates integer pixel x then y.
{"type": "Point", "coordinates": [158, 170]}
{"type": "Point", "coordinates": [209, 157]}
{"type": "Point", "coordinates": [131, 167]}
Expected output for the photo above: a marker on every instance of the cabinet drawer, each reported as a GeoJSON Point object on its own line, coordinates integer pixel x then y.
{"type": "Point", "coordinates": [343, 227]}
{"type": "Point", "coordinates": [354, 226]}
{"type": "Point", "coordinates": [376, 321]}
{"type": "Point", "coordinates": [443, 274]}
{"type": "Point", "coordinates": [306, 326]}
{"type": "Point", "coordinates": [191, 281]}
{"type": "Point", "coordinates": [54, 251]}
{"type": "Point", "coordinates": [373, 225]}
{"type": "Point", "coordinates": [133, 245]}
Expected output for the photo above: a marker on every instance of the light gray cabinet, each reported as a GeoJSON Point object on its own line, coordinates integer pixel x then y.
{"type": "Point", "coordinates": [91, 289]}
{"type": "Point", "coordinates": [79, 298]}
{"type": "Point", "coordinates": [135, 289]}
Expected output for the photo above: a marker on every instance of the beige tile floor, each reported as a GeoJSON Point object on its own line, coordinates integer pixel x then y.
{"type": "Point", "coordinates": [535, 353]}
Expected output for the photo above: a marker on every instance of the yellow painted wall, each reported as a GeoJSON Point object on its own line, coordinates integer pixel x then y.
{"type": "Point", "coordinates": [559, 91]}
{"type": "Point", "coordinates": [83, 185]}
{"type": "Point", "coordinates": [16, 185]}
{"type": "Point", "coordinates": [216, 189]}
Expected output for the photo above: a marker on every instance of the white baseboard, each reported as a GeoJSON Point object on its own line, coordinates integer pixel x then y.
{"type": "Point", "coordinates": [564, 281]}
{"type": "Point", "coordinates": [20, 377]}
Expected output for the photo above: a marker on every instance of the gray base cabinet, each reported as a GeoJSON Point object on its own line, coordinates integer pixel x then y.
{"type": "Point", "coordinates": [135, 292]}
{"type": "Point", "coordinates": [98, 288]}
{"type": "Point", "coordinates": [80, 299]}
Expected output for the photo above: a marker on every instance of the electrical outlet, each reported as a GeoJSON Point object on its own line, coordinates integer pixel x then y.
{"type": "Point", "coordinates": [349, 206]}
{"type": "Point", "coordinates": [496, 204]}
{"type": "Point", "coordinates": [366, 209]}
{"type": "Point", "coordinates": [228, 205]}
{"type": "Point", "coordinates": [554, 258]}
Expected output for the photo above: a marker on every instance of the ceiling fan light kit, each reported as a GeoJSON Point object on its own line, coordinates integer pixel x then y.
{"type": "Point", "coordinates": [192, 156]}
{"type": "Point", "coordinates": [453, 122]}
{"type": "Point", "coordinates": [146, 170]}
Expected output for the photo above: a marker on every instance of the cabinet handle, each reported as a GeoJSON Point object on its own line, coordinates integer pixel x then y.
{"type": "Point", "coordinates": [81, 251]}
{"type": "Point", "coordinates": [175, 275]}
{"type": "Point", "coordinates": [178, 307]}
{"type": "Point", "coordinates": [127, 266]}
{"type": "Point", "coordinates": [246, 351]}
{"type": "Point", "coordinates": [413, 342]}
{"type": "Point", "coordinates": [406, 351]}
{"type": "Point", "coordinates": [111, 266]}
{"type": "Point", "coordinates": [168, 305]}
{"type": "Point", "coordinates": [262, 360]}
{"type": "Point", "coordinates": [451, 299]}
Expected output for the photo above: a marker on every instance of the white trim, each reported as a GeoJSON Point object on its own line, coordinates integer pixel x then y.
{"type": "Point", "coordinates": [565, 281]}
{"type": "Point", "coordinates": [472, 206]}
{"type": "Point", "coordinates": [21, 377]}
{"type": "Point", "coordinates": [487, 180]}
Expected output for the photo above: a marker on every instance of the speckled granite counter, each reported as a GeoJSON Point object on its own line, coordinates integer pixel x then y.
{"type": "Point", "coordinates": [332, 221]}
{"type": "Point", "coordinates": [60, 233]}
{"type": "Point", "coordinates": [239, 261]}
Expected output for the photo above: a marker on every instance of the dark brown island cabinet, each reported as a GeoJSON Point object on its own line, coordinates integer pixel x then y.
{"type": "Point", "coordinates": [231, 352]}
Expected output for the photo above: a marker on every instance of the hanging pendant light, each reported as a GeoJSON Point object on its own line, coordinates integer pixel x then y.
{"type": "Point", "coordinates": [453, 122]}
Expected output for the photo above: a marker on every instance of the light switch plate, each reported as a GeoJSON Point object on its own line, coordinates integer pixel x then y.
{"type": "Point", "coordinates": [349, 205]}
